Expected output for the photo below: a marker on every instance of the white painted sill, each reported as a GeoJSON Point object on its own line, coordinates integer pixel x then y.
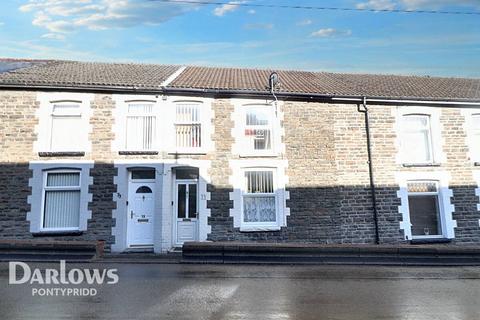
{"type": "Point", "coordinates": [259, 228]}
{"type": "Point", "coordinates": [425, 164]}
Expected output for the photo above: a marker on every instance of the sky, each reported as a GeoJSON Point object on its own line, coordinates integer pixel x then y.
{"type": "Point", "coordinates": [237, 35]}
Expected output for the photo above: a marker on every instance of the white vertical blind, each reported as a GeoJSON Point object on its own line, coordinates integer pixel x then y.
{"type": "Point", "coordinates": [259, 197]}
{"type": "Point", "coordinates": [62, 200]}
{"type": "Point", "coordinates": [66, 130]}
{"type": "Point", "coordinates": [188, 128]}
{"type": "Point", "coordinates": [140, 127]}
{"type": "Point", "coordinates": [62, 209]}
{"type": "Point", "coordinates": [258, 128]}
{"type": "Point", "coordinates": [64, 179]}
{"type": "Point", "coordinates": [417, 139]}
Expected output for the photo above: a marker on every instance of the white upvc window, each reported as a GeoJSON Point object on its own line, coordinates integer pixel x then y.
{"type": "Point", "coordinates": [426, 206]}
{"type": "Point", "coordinates": [61, 200]}
{"type": "Point", "coordinates": [419, 136]}
{"type": "Point", "coordinates": [66, 127]}
{"type": "Point", "coordinates": [476, 136]}
{"type": "Point", "coordinates": [258, 129]}
{"type": "Point", "coordinates": [416, 140]}
{"type": "Point", "coordinates": [140, 127]}
{"type": "Point", "coordinates": [63, 122]}
{"type": "Point", "coordinates": [259, 198]}
{"type": "Point", "coordinates": [188, 126]}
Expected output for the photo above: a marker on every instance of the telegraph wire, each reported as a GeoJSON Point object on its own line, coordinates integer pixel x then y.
{"type": "Point", "coordinates": [258, 5]}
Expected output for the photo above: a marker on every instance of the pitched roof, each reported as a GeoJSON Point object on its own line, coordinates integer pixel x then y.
{"type": "Point", "coordinates": [74, 73]}
{"type": "Point", "coordinates": [34, 73]}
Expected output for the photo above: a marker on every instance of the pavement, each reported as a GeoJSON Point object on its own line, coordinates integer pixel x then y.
{"type": "Point", "coordinates": [196, 291]}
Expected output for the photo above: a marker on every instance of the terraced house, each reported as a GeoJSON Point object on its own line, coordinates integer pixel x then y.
{"type": "Point", "coordinates": [147, 157]}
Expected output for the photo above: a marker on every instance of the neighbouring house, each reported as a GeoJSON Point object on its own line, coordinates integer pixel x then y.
{"type": "Point", "coordinates": [150, 156]}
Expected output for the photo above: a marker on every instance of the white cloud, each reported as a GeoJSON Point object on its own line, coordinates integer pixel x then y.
{"type": "Point", "coordinates": [251, 11]}
{"type": "Point", "coordinates": [330, 32]}
{"type": "Point", "coordinates": [228, 7]}
{"type": "Point", "coordinates": [53, 36]}
{"type": "Point", "coordinates": [2, 23]}
{"type": "Point", "coordinates": [62, 16]}
{"type": "Point", "coordinates": [377, 5]}
{"type": "Point", "coordinates": [416, 4]}
{"type": "Point", "coordinates": [264, 26]}
{"type": "Point", "coordinates": [305, 22]}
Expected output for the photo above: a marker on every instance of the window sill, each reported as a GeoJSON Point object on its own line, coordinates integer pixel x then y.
{"type": "Point", "coordinates": [186, 152]}
{"type": "Point", "coordinates": [409, 165]}
{"type": "Point", "coordinates": [61, 154]}
{"type": "Point", "coordinates": [259, 228]}
{"type": "Point", "coordinates": [430, 240]}
{"type": "Point", "coordinates": [57, 233]}
{"type": "Point", "coordinates": [137, 153]}
{"type": "Point", "coordinates": [259, 155]}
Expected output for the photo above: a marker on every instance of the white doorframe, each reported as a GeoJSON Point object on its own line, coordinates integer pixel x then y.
{"type": "Point", "coordinates": [132, 227]}
{"type": "Point", "coordinates": [194, 221]}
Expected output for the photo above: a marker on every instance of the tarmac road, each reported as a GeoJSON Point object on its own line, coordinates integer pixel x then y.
{"type": "Point", "coordinates": [176, 291]}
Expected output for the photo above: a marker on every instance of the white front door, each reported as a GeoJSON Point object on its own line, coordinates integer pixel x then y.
{"type": "Point", "coordinates": [186, 211]}
{"type": "Point", "coordinates": [140, 213]}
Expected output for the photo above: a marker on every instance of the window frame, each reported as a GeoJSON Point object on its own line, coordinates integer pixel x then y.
{"type": "Point", "coordinates": [53, 115]}
{"type": "Point", "coordinates": [152, 114]}
{"type": "Point", "coordinates": [440, 213]}
{"type": "Point", "coordinates": [264, 224]}
{"type": "Point", "coordinates": [428, 129]}
{"type": "Point", "coordinates": [446, 208]}
{"type": "Point", "coordinates": [47, 101]}
{"type": "Point", "coordinates": [200, 121]}
{"type": "Point", "coordinates": [473, 152]}
{"type": "Point", "coordinates": [46, 188]}
{"type": "Point", "coordinates": [247, 143]}
{"type": "Point", "coordinates": [436, 127]}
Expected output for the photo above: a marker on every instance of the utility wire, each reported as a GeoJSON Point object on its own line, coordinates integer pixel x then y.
{"type": "Point", "coordinates": [257, 5]}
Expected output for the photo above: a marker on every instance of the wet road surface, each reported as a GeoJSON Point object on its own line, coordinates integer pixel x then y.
{"type": "Point", "coordinates": [172, 291]}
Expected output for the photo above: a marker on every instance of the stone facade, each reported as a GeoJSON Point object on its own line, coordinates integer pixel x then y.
{"type": "Point", "coordinates": [328, 177]}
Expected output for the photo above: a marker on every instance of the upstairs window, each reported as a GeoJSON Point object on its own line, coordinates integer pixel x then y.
{"type": "Point", "coordinates": [416, 140]}
{"type": "Point", "coordinates": [475, 132]}
{"type": "Point", "coordinates": [259, 198]}
{"type": "Point", "coordinates": [188, 127]}
{"type": "Point", "coordinates": [66, 127]}
{"type": "Point", "coordinates": [141, 127]}
{"type": "Point", "coordinates": [258, 128]}
{"type": "Point", "coordinates": [424, 209]}
{"type": "Point", "coordinates": [61, 204]}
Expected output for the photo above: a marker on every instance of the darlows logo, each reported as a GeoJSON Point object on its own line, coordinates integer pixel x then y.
{"type": "Point", "coordinates": [60, 276]}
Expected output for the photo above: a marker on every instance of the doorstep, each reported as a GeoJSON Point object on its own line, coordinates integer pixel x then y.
{"type": "Point", "coordinates": [342, 254]}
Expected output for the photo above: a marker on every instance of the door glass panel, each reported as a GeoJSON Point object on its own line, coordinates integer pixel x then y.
{"type": "Point", "coordinates": [192, 201]}
{"type": "Point", "coordinates": [144, 189]}
{"type": "Point", "coordinates": [181, 206]}
{"type": "Point", "coordinates": [424, 215]}
{"type": "Point", "coordinates": [187, 173]}
{"type": "Point", "coordinates": [143, 174]}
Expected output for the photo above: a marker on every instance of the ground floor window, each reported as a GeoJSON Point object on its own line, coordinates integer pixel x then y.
{"type": "Point", "coordinates": [259, 195]}
{"type": "Point", "coordinates": [61, 208]}
{"type": "Point", "coordinates": [424, 208]}
{"type": "Point", "coordinates": [60, 196]}
{"type": "Point", "coordinates": [259, 205]}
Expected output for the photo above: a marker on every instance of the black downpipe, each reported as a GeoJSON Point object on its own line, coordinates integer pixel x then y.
{"type": "Point", "coordinates": [364, 110]}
